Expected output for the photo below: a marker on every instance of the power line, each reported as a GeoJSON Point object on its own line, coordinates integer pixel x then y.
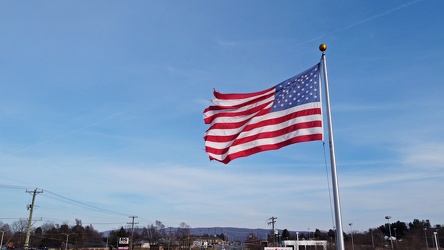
{"type": "Point", "coordinates": [13, 187]}
{"type": "Point", "coordinates": [81, 204]}
{"type": "Point", "coordinates": [66, 200]}
{"type": "Point", "coordinates": [51, 220]}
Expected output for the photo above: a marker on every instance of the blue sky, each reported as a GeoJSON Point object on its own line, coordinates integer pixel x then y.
{"type": "Point", "coordinates": [101, 107]}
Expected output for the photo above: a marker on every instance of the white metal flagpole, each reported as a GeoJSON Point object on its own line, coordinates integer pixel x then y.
{"type": "Point", "coordinates": [334, 174]}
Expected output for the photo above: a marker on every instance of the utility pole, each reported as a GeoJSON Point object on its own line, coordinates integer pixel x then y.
{"type": "Point", "coordinates": [132, 231]}
{"type": "Point", "coordinates": [273, 220]}
{"type": "Point", "coordinates": [31, 209]}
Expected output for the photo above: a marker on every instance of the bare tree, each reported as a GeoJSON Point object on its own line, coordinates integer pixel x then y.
{"type": "Point", "coordinates": [19, 226]}
{"type": "Point", "coordinates": [5, 227]}
{"type": "Point", "coordinates": [183, 234]}
{"type": "Point", "coordinates": [47, 226]}
{"type": "Point", "coordinates": [155, 233]}
{"type": "Point", "coordinates": [18, 229]}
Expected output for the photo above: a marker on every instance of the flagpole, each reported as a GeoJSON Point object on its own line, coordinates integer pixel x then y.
{"type": "Point", "coordinates": [334, 174]}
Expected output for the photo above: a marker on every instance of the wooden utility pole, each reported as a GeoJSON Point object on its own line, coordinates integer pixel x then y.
{"type": "Point", "coordinates": [132, 231]}
{"type": "Point", "coordinates": [272, 221]}
{"type": "Point", "coordinates": [31, 209]}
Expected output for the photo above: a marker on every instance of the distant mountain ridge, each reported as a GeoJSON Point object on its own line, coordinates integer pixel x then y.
{"type": "Point", "coordinates": [233, 233]}
{"type": "Point", "coordinates": [236, 233]}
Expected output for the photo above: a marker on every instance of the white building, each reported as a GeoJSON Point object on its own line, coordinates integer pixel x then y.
{"type": "Point", "coordinates": [297, 244]}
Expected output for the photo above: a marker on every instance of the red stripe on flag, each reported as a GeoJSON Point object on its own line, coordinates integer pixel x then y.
{"type": "Point", "coordinates": [219, 95]}
{"type": "Point", "coordinates": [265, 135]}
{"type": "Point", "coordinates": [262, 123]}
{"type": "Point", "coordinates": [248, 152]}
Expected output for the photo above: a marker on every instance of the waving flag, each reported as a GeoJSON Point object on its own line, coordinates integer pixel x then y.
{"type": "Point", "coordinates": [245, 124]}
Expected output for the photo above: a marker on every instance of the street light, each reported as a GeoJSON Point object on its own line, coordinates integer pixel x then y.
{"type": "Point", "coordinates": [3, 234]}
{"type": "Point", "coordinates": [309, 236]}
{"type": "Point", "coordinates": [425, 235]}
{"type": "Point", "coordinates": [67, 236]}
{"type": "Point", "coordinates": [351, 232]}
{"type": "Point", "coordinates": [436, 240]}
{"type": "Point", "coordinates": [390, 231]}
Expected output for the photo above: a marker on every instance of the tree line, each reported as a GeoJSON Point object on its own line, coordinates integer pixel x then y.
{"type": "Point", "coordinates": [414, 235]}
{"type": "Point", "coordinates": [51, 235]}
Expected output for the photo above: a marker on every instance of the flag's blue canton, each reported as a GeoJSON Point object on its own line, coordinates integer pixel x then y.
{"type": "Point", "coordinates": [300, 89]}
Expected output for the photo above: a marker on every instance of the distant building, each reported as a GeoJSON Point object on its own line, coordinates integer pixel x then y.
{"type": "Point", "coordinates": [297, 244]}
{"type": "Point", "coordinates": [202, 241]}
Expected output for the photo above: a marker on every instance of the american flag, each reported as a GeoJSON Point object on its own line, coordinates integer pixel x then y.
{"type": "Point", "coordinates": [245, 124]}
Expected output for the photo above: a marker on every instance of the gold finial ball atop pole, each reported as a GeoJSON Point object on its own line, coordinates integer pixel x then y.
{"type": "Point", "coordinates": [323, 47]}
